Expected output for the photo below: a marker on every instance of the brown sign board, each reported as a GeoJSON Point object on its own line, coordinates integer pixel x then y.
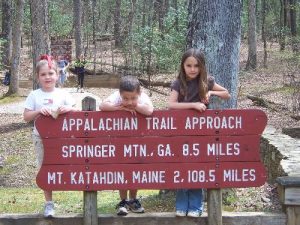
{"type": "Point", "coordinates": [151, 149]}
{"type": "Point", "coordinates": [151, 176]}
{"type": "Point", "coordinates": [161, 123]}
{"type": "Point", "coordinates": [169, 149]}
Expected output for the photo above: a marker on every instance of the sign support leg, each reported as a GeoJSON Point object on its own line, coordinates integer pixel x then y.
{"type": "Point", "coordinates": [214, 206]}
{"type": "Point", "coordinates": [90, 216]}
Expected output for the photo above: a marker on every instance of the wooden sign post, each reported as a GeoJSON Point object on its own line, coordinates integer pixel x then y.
{"type": "Point", "coordinates": [172, 149]}
{"type": "Point", "coordinates": [90, 215]}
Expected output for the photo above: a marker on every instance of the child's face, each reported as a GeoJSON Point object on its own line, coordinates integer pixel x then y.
{"type": "Point", "coordinates": [191, 68]}
{"type": "Point", "coordinates": [129, 99]}
{"type": "Point", "coordinates": [47, 78]}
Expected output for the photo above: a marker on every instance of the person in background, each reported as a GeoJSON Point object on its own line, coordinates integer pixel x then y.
{"type": "Point", "coordinates": [62, 66]}
{"type": "Point", "coordinates": [79, 64]}
{"type": "Point", "coordinates": [192, 90]}
{"type": "Point", "coordinates": [129, 98]}
{"type": "Point", "coordinates": [48, 101]}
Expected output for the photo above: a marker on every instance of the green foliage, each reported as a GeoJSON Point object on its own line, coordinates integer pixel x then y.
{"type": "Point", "coordinates": [61, 18]}
{"type": "Point", "coordinates": [273, 29]}
{"type": "Point", "coordinates": [161, 49]}
{"type": "Point", "coordinates": [79, 63]}
{"type": "Point", "coordinates": [27, 19]}
{"type": "Point", "coordinates": [229, 196]}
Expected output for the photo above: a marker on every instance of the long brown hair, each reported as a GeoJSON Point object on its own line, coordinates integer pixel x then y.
{"type": "Point", "coordinates": [199, 56]}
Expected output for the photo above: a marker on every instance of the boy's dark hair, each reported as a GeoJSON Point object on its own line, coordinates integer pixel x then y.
{"type": "Point", "coordinates": [129, 83]}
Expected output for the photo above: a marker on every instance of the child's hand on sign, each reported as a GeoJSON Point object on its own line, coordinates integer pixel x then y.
{"type": "Point", "coordinates": [46, 111]}
{"type": "Point", "coordinates": [54, 113]}
{"type": "Point", "coordinates": [201, 107]}
{"type": "Point", "coordinates": [128, 109]}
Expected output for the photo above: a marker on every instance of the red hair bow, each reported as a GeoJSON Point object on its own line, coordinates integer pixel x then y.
{"type": "Point", "coordinates": [48, 58]}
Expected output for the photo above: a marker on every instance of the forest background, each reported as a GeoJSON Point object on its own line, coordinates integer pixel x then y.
{"type": "Point", "coordinates": [145, 38]}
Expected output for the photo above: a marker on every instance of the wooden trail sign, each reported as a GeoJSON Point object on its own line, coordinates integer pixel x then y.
{"type": "Point", "coordinates": [151, 149]}
{"type": "Point", "coordinates": [161, 123]}
{"type": "Point", "coordinates": [152, 176]}
{"type": "Point", "coordinates": [170, 149]}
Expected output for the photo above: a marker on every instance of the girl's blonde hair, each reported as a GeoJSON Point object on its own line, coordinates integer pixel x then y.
{"type": "Point", "coordinates": [46, 60]}
{"type": "Point", "coordinates": [203, 88]}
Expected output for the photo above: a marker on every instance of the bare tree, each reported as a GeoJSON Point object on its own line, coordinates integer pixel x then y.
{"type": "Point", "coordinates": [176, 16]}
{"type": "Point", "coordinates": [16, 34]}
{"type": "Point", "coordinates": [160, 10]}
{"type": "Point", "coordinates": [283, 23]}
{"type": "Point", "coordinates": [77, 18]}
{"type": "Point", "coordinates": [252, 58]}
{"type": "Point", "coordinates": [293, 13]}
{"type": "Point", "coordinates": [129, 23]}
{"type": "Point", "coordinates": [144, 13]}
{"type": "Point", "coordinates": [6, 32]}
{"type": "Point", "coordinates": [263, 30]}
{"type": "Point", "coordinates": [117, 23]}
{"type": "Point", "coordinates": [217, 30]}
{"type": "Point", "coordinates": [40, 32]}
{"type": "Point", "coordinates": [87, 14]}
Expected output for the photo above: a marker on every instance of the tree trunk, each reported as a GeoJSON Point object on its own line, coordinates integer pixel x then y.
{"type": "Point", "coordinates": [144, 14]}
{"type": "Point", "coordinates": [40, 32]}
{"type": "Point", "coordinates": [142, 64]}
{"type": "Point", "coordinates": [117, 24]}
{"type": "Point", "coordinates": [176, 16]}
{"type": "Point", "coordinates": [77, 12]}
{"type": "Point", "coordinates": [283, 23]}
{"type": "Point", "coordinates": [94, 9]}
{"type": "Point", "coordinates": [293, 13]}
{"type": "Point", "coordinates": [6, 32]}
{"type": "Point", "coordinates": [160, 10]}
{"type": "Point", "coordinates": [150, 38]}
{"type": "Point", "coordinates": [252, 58]}
{"type": "Point", "coordinates": [217, 30]}
{"type": "Point", "coordinates": [192, 24]}
{"type": "Point", "coordinates": [263, 31]}
{"type": "Point", "coordinates": [108, 19]}
{"type": "Point", "coordinates": [129, 30]}
{"type": "Point", "coordinates": [16, 34]}
{"type": "Point", "coordinates": [87, 11]}
{"type": "Point", "coordinates": [128, 25]}
{"type": "Point", "coordinates": [258, 16]}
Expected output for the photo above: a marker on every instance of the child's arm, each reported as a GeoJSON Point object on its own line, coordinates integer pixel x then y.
{"type": "Point", "coordinates": [66, 108]}
{"type": "Point", "coordinates": [219, 91]}
{"type": "Point", "coordinates": [145, 109]}
{"type": "Point", "coordinates": [109, 106]}
{"type": "Point", "coordinates": [174, 104]}
{"type": "Point", "coordinates": [30, 115]}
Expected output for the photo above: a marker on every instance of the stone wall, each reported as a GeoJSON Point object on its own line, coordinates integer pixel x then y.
{"type": "Point", "coordinates": [280, 154]}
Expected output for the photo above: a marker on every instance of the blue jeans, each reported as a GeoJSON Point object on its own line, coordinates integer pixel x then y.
{"type": "Point", "coordinates": [189, 200]}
